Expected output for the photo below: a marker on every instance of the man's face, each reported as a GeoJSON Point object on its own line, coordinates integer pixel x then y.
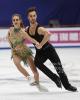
{"type": "Point", "coordinates": [32, 16]}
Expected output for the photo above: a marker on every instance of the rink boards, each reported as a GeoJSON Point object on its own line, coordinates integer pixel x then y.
{"type": "Point", "coordinates": [60, 37]}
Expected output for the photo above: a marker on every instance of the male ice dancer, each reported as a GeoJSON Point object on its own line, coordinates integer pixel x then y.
{"type": "Point", "coordinates": [46, 51]}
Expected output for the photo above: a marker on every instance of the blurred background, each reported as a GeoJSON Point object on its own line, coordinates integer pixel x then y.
{"type": "Point", "coordinates": [60, 17]}
{"type": "Point", "coordinates": [51, 13]}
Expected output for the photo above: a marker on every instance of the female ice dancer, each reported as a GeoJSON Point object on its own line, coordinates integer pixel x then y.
{"type": "Point", "coordinates": [20, 52]}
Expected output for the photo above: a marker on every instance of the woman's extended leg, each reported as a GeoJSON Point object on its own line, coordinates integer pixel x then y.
{"type": "Point", "coordinates": [17, 62]}
{"type": "Point", "coordinates": [33, 68]}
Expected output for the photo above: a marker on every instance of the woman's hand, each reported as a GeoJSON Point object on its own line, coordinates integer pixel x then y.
{"type": "Point", "coordinates": [38, 46]}
{"type": "Point", "coordinates": [37, 43]}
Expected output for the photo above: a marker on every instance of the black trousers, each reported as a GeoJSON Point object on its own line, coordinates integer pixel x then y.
{"type": "Point", "coordinates": [48, 52]}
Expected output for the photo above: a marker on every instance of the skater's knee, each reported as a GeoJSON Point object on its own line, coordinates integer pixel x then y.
{"type": "Point", "coordinates": [59, 69]}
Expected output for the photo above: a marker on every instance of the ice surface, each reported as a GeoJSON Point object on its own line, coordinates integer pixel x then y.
{"type": "Point", "coordinates": [14, 86]}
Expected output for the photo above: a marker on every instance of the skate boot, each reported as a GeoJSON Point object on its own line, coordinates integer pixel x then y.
{"type": "Point", "coordinates": [34, 83]}
{"type": "Point", "coordinates": [71, 88]}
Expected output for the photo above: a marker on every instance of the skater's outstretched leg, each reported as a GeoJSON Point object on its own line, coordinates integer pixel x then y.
{"type": "Point", "coordinates": [58, 66]}
{"type": "Point", "coordinates": [49, 73]}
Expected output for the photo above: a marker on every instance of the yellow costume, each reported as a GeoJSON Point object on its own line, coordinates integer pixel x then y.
{"type": "Point", "coordinates": [16, 39]}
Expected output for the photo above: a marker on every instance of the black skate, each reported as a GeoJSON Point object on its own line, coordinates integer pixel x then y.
{"type": "Point", "coordinates": [71, 88]}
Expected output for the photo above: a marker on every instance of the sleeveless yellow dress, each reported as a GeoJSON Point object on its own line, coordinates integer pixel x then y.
{"type": "Point", "coordinates": [17, 40]}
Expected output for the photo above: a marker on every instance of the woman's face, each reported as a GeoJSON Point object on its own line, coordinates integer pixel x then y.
{"type": "Point", "coordinates": [16, 21]}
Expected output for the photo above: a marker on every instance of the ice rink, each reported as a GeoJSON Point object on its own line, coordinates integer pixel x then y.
{"type": "Point", "coordinates": [14, 86]}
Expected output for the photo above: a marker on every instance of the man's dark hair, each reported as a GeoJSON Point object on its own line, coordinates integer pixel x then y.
{"type": "Point", "coordinates": [31, 9]}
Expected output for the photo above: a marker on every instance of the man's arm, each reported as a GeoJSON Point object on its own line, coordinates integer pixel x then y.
{"type": "Point", "coordinates": [46, 34]}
